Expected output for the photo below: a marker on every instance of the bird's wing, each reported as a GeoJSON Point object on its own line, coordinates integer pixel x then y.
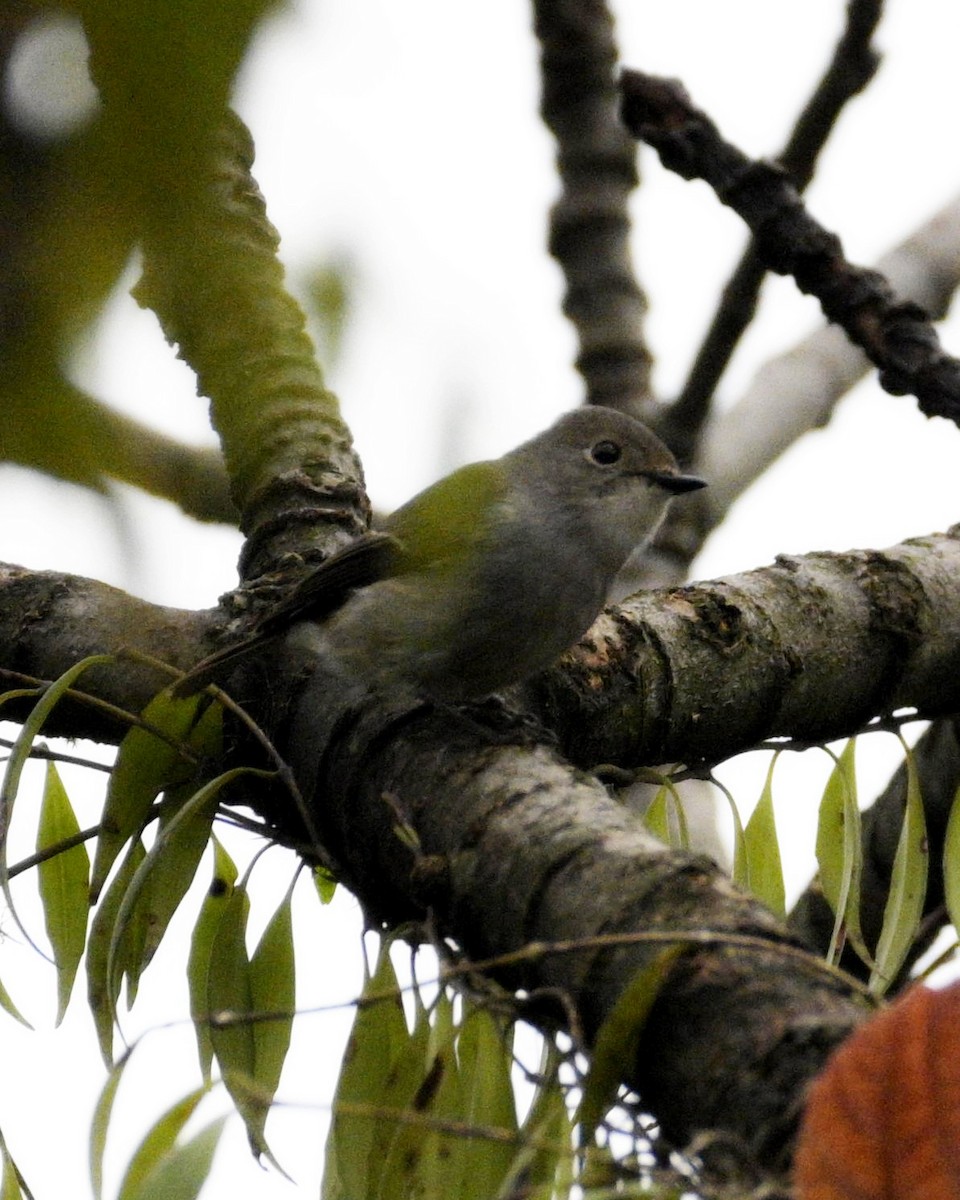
{"type": "Point", "coordinates": [441, 525]}
{"type": "Point", "coordinates": [371, 557]}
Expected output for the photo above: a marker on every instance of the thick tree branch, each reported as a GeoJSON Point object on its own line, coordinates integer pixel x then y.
{"type": "Point", "coordinates": [896, 335]}
{"type": "Point", "coordinates": [810, 648]}
{"type": "Point", "coordinates": [49, 621]}
{"type": "Point", "coordinates": [519, 858]}
{"type": "Point", "coordinates": [590, 224]}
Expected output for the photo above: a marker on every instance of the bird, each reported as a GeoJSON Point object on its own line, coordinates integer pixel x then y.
{"type": "Point", "coordinates": [489, 575]}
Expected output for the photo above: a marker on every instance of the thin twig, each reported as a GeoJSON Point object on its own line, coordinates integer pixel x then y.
{"type": "Point", "coordinates": [853, 65]}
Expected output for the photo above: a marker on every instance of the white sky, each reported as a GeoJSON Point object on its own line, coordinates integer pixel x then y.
{"type": "Point", "coordinates": [406, 136]}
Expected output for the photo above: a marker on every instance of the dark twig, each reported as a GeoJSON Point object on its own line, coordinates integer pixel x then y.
{"type": "Point", "coordinates": [589, 224]}
{"type": "Point", "coordinates": [896, 335]}
{"type": "Point", "coordinates": [853, 65]}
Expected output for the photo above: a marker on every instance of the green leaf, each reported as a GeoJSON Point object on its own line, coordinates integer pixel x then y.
{"type": "Point", "coordinates": [63, 883]}
{"type": "Point", "coordinates": [415, 1153]}
{"type": "Point", "coordinates": [148, 762]}
{"type": "Point", "coordinates": [487, 1100]}
{"type": "Point", "coordinates": [102, 990]}
{"type": "Point", "coordinates": [839, 853]}
{"type": "Point", "coordinates": [10, 1186]}
{"type": "Point", "coordinates": [546, 1139]}
{"type": "Point", "coordinates": [19, 754]}
{"type": "Point", "coordinates": [618, 1039]}
{"type": "Point", "coordinates": [273, 989]}
{"type": "Point", "coordinates": [182, 1172]}
{"type": "Point", "coordinates": [162, 879]}
{"type": "Point", "coordinates": [201, 950]}
{"type": "Point", "coordinates": [325, 883]}
{"type": "Point", "coordinates": [908, 888]}
{"type": "Point", "coordinates": [666, 819]}
{"type": "Point", "coordinates": [101, 1122]}
{"type": "Point", "coordinates": [377, 1041]}
{"type": "Point", "coordinates": [157, 1144]}
{"type": "Point", "coordinates": [7, 1004]}
{"type": "Point", "coordinates": [951, 863]}
{"type": "Point", "coordinates": [764, 869]}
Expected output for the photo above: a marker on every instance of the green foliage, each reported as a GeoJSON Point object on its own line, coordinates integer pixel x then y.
{"type": "Point", "coordinates": [764, 869]}
{"type": "Point", "coordinates": [429, 1111]}
{"type": "Point", "coordinates": [908, 887]}
{"type": "Point", "coordinates": [618, 1039]}
{"type": "Point", "coordinates": [951, 863]}
{"type": "Point", "coordinates": [666, 819]}
{"type": "Point", "coordinates": [64, 884]}
{"type": "Point", "coordinates": [839, 853]}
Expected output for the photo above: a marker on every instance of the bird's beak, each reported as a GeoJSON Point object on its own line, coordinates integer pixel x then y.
{"type": "Point", "coordinates": [675, 483]}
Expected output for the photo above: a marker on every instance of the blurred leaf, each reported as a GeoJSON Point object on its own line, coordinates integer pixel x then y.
{"type": "Point", "coordinates": [951, 863]}
{"type": "Point", "coordinates": [618, 1039]}
{"type": "Point", "coordinates": [839, 853]}
{"type": "Point", "coordinates": [764, 869]}
{"type": "Point", "coordinates": [415, 1153]}
{"type": "Point", "coordinates": [7, 1004]}
{"type": "Point", "coordinates": [324, 882]}
{"type": "Point", "coordinates": [183, 1171]}
{"type": "Point", "coordinates": [328, 291]}
{"type": "Point", "coordinates": [201, 950]}
{"type": "Point", "coordinates": [158, 1143]}
{"type": "Point", "coordinates": [102, 990]}
{"type": "Point", "coordinates": [63, 883]}
{"type": "Point", "coordinates": [162, 879]}
{"type": "Point", "coordinates": [546, 1139]}
{"type": "Point", "coordinates": [908, 888]}
{"type": "Point", "coordinates": [147, 763]}
{"type": "Point", "coordinates": [377, 1040]}
{"type": "Point", "coordinates": [10, 1186]}
{"type": "Point", "coordinates": [101, 1122]}
{"type": "Point", "coordinates": [486, 1091]}
{"type": "Point", "coordinates": [666, 819]}
{"type": "Point", "coordinates": [273, 995]}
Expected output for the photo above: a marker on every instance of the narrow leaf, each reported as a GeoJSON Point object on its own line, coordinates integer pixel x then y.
{"type": "Point", "coordinates": [377, 1040]}
{"type": "Point", "coordinates": [63, 882]}
{"type": "Point", "coordinates": [102, 991]}
{"type": "Point", "coordinates": [172, 863]}
{"type": "Point", "coordinates": [19, 754]}
{"type": "Point", "coordinates": [147, 763]}
{"type": "Point", "coordinates": [7, 1004]}
{"type": "Point", "coordinates": [764, 869]}
{"type": "Point", "coordinates": [101, 1122]}
{"type": "Point", "coordinates": [487, 1100]}
{"type": "Point", "coordinates": [273, 991]}
{"type": "Point", "coordinates": [617, 1041]}
{"type": "Point", "coordinates": [158, 1143]}
{"type": "Point", "coordinates": [908, 888]}
{"type": "Point", "coordinates": [666, 819]}
{"type": "Point", "coordinates": [201, 949]}
{"type": "Point", "coordinates": [951, 863]}
{"type": "Point", "coordinates": [10, 1186]}
{"type": "Point", "coordinates": [182, 1173]}
{"type": "Point", "coordinates": [839, 852]}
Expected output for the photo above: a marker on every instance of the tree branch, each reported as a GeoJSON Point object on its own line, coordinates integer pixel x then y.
{"type": "Point", "coordinates": [50, 620]}
{"type": "Point", "coordinates": [810, 648]}
{"type": "Point", "coordinates": [530, 867]}
{"type": "Point", "coordinates": [811, 377]}
{"type": "Point", "coordinates": [895, 335]}
{"type": "Point", "coordinates": [590, 224]}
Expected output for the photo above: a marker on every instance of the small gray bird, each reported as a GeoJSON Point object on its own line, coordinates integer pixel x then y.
{"type": "Point", "coordinates": [489, 575]}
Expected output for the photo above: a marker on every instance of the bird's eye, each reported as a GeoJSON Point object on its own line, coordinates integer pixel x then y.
{"type": "Point", "coordinates": [605, 453]}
